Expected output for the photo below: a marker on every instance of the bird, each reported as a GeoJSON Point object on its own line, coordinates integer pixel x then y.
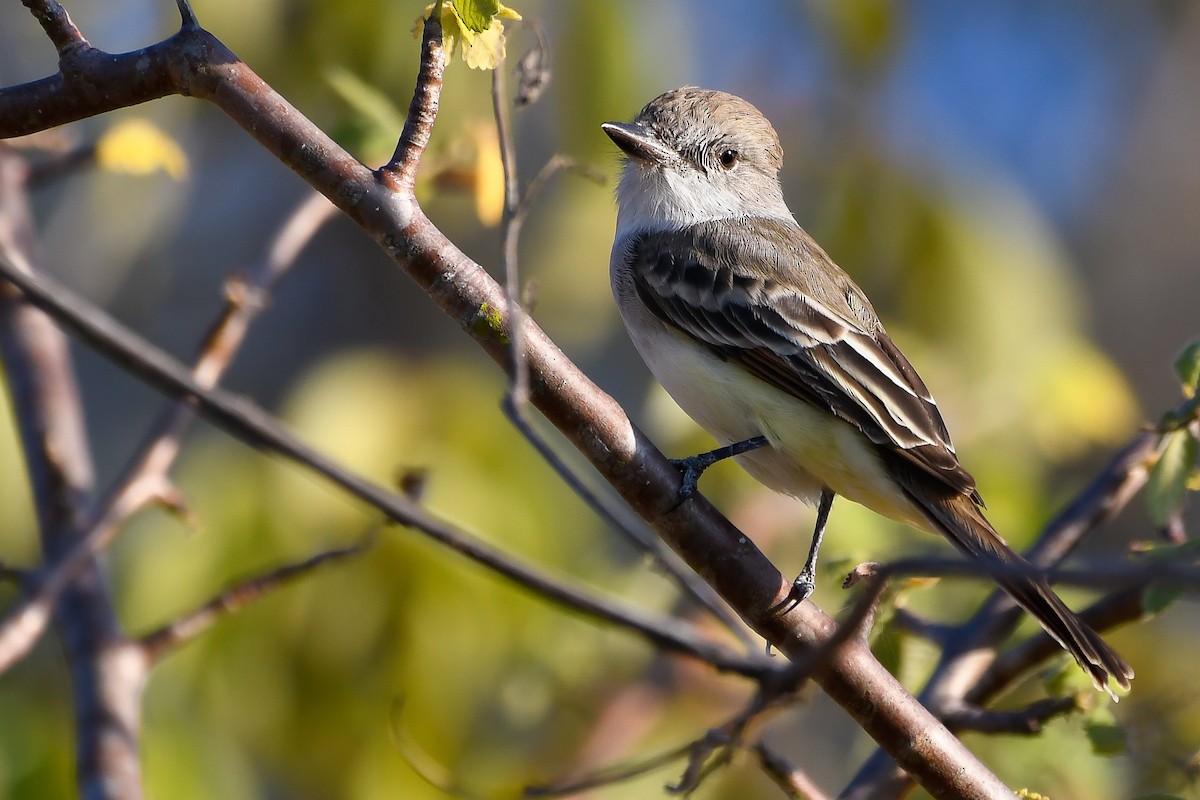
{"type": "Point", "coordinates": [768, 345]}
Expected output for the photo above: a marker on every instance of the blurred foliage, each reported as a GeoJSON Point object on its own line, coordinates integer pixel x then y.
{"type": "Point", "coordinates": [138, 147]}
{"type": "Point", "coordinates": [317, 690]}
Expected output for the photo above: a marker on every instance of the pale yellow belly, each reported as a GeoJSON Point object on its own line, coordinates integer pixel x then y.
{"type": "Point", "coordinates": [810, 449]}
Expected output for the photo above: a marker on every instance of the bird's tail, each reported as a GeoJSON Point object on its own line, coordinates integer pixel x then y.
{"type": "Point", "coordinates": [961, 521]}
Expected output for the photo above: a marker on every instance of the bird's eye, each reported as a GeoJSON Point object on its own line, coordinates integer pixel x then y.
{"type": "Point", "coordinates": [728, 158]}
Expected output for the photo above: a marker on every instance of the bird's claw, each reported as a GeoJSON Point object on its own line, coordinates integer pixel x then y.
{"type": "Point", "coordinates": [689, 479]}
{"type": "Point", "coordinates": [802, 587]}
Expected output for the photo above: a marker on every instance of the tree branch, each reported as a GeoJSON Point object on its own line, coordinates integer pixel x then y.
{"type": "Point", "coordinates": [400, 174]}
{"type": "Point", "coordinates": [106, 681]}
{"type": "Point", "coordinates": [1024, 721]}
{"type": "Point", "coordinates": [251, 424]}
{"type": "Point", "coordinates": [57, 24]}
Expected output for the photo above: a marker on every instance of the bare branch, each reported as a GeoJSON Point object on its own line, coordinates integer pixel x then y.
{"type": "Point", "coordinates": [610, 776]}
{"type": "Point", "coordinates": [422, 763]}
{"type": "Point", "coordinates": [1101, 500]}
{"type": "Point", "coordinates": [169, 637]}
{"type": "Point", "coordinates": [787, 777]}
{"type": "Point", "coordinates": [400, 174]}
{"type": "Point", "coordinates": [118, 81]}
{"type": "Point", "coordinates": [107, 678]}
{"type": "Point", "coordinates": [724, 738]}
{"type": "Point", "coordinates": [1025, 721]}
{"type": "Point", "coordinates": [936, 632]}
{"type": "Point", "coordinates": [57, 24]}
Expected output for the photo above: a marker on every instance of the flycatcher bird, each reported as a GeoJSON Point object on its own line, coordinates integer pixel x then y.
{"type": "Point", "coordinates": [770, 347]}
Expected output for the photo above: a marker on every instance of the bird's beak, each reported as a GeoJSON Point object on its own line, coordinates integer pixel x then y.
{"type": "Point", "coordinates": [638, 142]}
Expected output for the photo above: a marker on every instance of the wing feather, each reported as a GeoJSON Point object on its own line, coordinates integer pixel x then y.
{"type": "Point", "coordinates": [798, 323]}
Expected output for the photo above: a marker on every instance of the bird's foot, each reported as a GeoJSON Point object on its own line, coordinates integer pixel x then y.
{"type": "Point", "coordinates": [692, 467]}
{"type": "Point", "coordinates": [690, 470]}
{"type": "Point", "coordinates": [803, 587]}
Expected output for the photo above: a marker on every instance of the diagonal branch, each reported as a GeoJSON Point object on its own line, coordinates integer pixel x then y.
{"type": "Point", "coordinates": [250, 423]}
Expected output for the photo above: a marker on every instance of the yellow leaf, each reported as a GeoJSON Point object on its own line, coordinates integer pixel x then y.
{"type": "Point", "coordinates": [139, 147]}
{"type": "Point", "coordinates": [1081, 399]}
{"type": "Point", "coordinates": [481, 50]}
{"type": "Point", "coordinates": [489, 174]}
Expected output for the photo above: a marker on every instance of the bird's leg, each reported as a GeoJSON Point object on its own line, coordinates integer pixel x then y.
{"type": "Point", "coordinates": [806, 581]}
{"type": "Point", "coordinates": [692, 467]}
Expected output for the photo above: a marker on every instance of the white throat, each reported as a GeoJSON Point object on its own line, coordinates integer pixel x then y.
{"type": "Point", "coordinates": [654, 199]}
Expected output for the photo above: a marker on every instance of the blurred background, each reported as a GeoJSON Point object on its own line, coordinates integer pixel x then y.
{"type": "Point", "coordinates": [1014, 183]}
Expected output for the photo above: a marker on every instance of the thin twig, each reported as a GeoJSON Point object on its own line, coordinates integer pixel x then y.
{"type": "Point", "coordinates": [792, 780]}
{"type": "Point", "coordinates": [909, 622]}
{"type": "Point", "coordinates": [1102, 499]}
{"type": "Point", "coordinates": [426, 767]}
{"type": "Point", "coordinates": [697, 751]}
{"type": "Point", "coordinates": [169, 637]}
{"type": "Point", "coordinates": [1025, 721]}
{"type": "Point", "coordinates": [57, 24]}
{"type": "Point", "coordinates": [400, 174]}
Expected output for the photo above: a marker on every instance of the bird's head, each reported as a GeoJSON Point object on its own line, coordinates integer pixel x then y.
{"type": "Point", "coordinates": [694, 155]}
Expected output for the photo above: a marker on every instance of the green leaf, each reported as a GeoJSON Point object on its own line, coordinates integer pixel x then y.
{"type": "Point", "coordinates": [1106, 736]}
{"type": "Point", "coordinates": [1158, 597]}
{"type": "Point", "coordinates": [1187, 368]}
{"type": "Point", "coordinates": [475, 27]}
{"type": "Point", "coordinates": [887, 647]}
{"type": "Point", "coordinates": [1064, 678]}
{"type": "Point", "coordinates": [1168, 480]}
{"type": "Point", "coordinates": [1158, 796]}
{"type": "Point", "coordinates": [477, 14]}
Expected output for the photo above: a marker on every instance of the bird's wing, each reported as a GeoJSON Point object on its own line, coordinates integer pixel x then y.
{"type": "Point", "coordinates": [798, 323]}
